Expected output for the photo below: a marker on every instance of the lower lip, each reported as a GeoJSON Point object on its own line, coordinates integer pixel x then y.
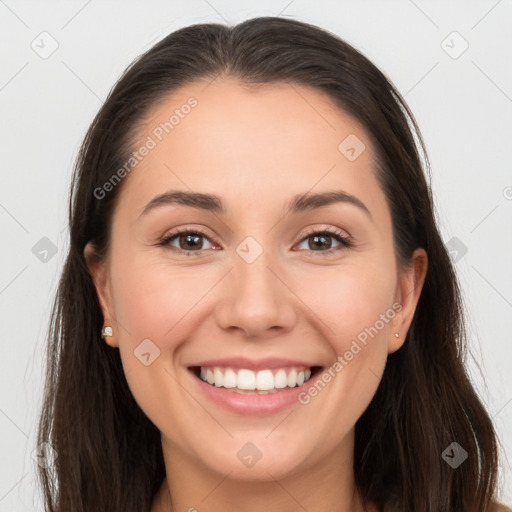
{"type": "Point", "coordinates": [253, 404]}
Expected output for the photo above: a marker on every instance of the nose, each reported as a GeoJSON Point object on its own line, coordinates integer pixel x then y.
{"type": "Point", "coordinates": [256, 299]}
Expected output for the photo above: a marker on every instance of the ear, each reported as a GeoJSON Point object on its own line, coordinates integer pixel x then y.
{"type": "Point", "coordinates": [410, 284]}
{"type": "Point", "coordinates": [98, 270]}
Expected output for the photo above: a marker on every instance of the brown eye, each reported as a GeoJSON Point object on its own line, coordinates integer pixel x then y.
{"type": "Point", "coordinates": [186, 241]}
{"type": "Point", "coordinates": [190, 241]}
{"type": "Point", "coordinates": [322, 242]}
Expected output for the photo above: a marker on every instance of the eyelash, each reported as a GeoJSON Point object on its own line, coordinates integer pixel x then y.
{"type": "Point", "coordinates": [345, 242]}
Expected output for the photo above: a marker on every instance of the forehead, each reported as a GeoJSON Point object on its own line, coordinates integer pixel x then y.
{"type": "Point", "coordinates": [245, 144]}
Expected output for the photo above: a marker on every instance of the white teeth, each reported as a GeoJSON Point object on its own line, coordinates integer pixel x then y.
{"type": "Point", "coordinates": [292, 379]}
{"type": "Point", "coordinates": [229, 379]}
{"type": "Point", "coordinates": [218, 379]}
{"type": "Point", "coordinates": [264, 380]}
{"type": "Point", "coordinates": [246, 379]}
{"type": "Point", "coordinates": [280, 381]}
{"type": "Point", "coordinates": [261, 382]}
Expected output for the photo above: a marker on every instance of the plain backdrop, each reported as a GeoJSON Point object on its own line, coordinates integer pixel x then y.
{"type": "Point", "coordinates": [451, 60]}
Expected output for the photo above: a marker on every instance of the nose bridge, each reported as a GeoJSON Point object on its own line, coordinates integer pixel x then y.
{"type": "Point", "coordinates": [253, 278]}
{"type": "Point", "coordinates": [255, 285]}
{"type": "Point", "coordinates": [256, 299]}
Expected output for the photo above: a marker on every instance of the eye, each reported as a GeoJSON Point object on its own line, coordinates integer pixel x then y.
{"type": "Point", "coordinates": [321, 241]}
{"type": "Point", "coordinates": [187, 241]}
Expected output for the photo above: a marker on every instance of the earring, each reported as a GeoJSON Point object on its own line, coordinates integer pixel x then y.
{"type": "Point", "coordinates": [397, 335]}
{"type": "Point", "coordinates": [106, 331]}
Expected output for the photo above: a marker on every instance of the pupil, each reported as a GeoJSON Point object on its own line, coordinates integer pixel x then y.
{"type": "Point", "coordinates": [319, 245]}
{"type": "Point", "coordinates": [320, 241]}
{"type": "Point", "coordinates": [196, 239]}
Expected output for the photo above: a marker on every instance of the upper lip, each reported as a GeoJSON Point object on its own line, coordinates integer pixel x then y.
{"type": "Point", "coordinates": [269, 363]}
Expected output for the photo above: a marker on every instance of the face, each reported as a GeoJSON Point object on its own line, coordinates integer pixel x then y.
{"type": "Point", "coordinates": [251, 290]}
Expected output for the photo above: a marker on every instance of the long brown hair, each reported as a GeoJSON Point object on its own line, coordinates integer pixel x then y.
{"type": "Point", "coordinates": [109, 454]}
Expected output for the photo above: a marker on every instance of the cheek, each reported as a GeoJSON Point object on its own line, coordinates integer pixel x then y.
{"type": "Point", "coordinates": [350, 301]}
{"type": "Point", "coordinates": [157, 303]}
{"type": "Point", "coordinates": [153, 306]}
{"type": "Point", "coordinates": [151, 298]}
{"type": "Point", "coordinates": [353, 307]}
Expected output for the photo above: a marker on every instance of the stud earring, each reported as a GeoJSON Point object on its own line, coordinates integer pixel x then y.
{"type": "Point", "coordinates": [106, 331]}
{"type": "Point", "coordinates": [397, 335]}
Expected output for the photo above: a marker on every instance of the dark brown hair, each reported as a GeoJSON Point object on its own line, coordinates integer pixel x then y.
{"type": "Point", "coordinates": [109, 452]}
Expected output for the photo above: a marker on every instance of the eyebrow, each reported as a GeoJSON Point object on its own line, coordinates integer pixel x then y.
{"type": "Point", "coordinates": [214, 204]}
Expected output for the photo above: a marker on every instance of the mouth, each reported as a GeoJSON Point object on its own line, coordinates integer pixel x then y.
{"type": "Point", "coordinates": [261, 382]}
{"type": "Point", "coordinates": [246, 386]}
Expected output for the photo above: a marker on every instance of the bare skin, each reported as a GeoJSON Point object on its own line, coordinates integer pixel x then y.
{"type": "Point", "coordinates": [255, 150]}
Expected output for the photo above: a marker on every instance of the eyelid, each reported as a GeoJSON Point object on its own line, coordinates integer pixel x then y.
{"type": "Point", "coordinates": [326, 228]}
{"type": "Point", "coordinates": [345, 239]}
{"type": "Point", "coordinates": [166, 238]}
{"type": "Point", "coordinates": [186, 228]}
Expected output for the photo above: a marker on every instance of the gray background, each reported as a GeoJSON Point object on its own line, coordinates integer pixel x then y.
{"type": "Point", "coordinates": [462, 101]}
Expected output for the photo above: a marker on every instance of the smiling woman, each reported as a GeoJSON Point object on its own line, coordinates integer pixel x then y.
{"type": "Point", "coordinates": [259, 313]}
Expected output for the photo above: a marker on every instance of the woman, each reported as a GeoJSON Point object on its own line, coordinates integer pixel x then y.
{"type": "Point", "coordinates": [257, 309]}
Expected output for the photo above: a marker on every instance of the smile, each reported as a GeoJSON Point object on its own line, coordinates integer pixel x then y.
{"type": "Point", "coordinates": [247, 387]}
{"type": "Point", "coordinates": [247, 381]}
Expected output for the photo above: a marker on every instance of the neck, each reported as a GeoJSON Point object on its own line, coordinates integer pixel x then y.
{"type": "Point", "coordinates": [325, 486]}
